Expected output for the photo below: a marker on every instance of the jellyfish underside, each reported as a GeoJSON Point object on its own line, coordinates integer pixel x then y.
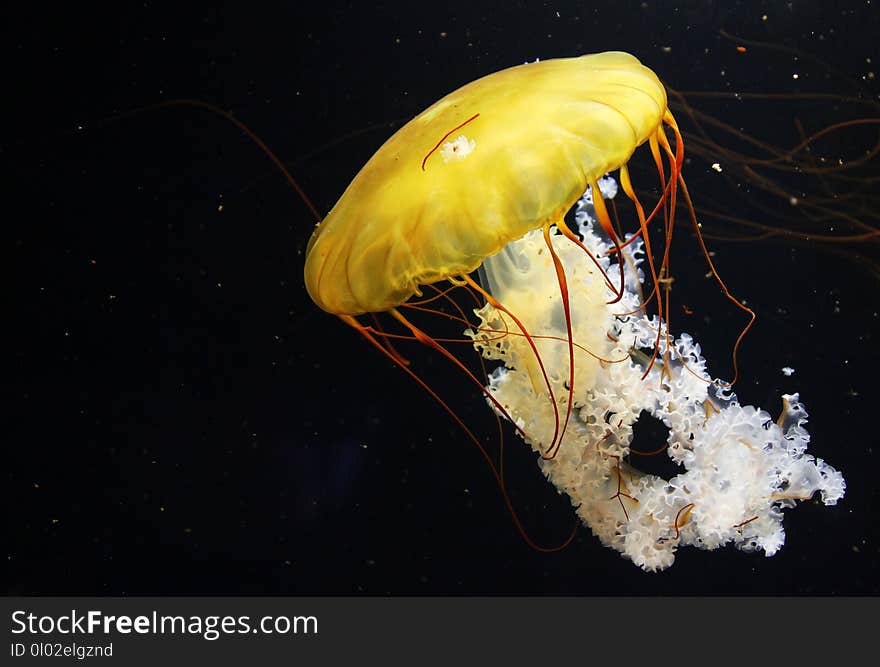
{"type": "Point", "coordinates": [562, 313]}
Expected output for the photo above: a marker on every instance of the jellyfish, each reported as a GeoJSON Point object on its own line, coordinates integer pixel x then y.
{"type": "Point", "coordinates": [571, 321]}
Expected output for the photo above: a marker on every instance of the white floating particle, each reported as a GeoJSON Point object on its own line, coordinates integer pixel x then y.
{"type": "Point", "coordinates": [458, 149]}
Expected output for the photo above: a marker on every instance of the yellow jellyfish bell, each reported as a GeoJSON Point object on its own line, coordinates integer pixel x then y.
{"type": "Point", "coordinates": [501, 156]}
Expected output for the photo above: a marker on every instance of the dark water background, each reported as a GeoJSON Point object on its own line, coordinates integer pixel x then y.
{"type": "Point", "coordinates": [183, 420]}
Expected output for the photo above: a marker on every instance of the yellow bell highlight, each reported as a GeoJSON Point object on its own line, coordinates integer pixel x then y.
{"type": "Point", "coordinates": [497, 158]}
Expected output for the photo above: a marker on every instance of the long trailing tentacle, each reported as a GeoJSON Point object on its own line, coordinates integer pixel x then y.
{"type": "Point", "coordinates": [499, 306]}
{"type": "Point", "coordinates": [566, 306]}
{"type": "Point", "coordinates": [496, 472]}
{"type": "Point", "coordinates": [571, 236]}
{"type": "Point", "coordinates": [605, 222]}
{"type": "Point", "coordinates": [428, 341]}
{"type": "Point", "coordinates": [670, 121]}
{"type": "Point", "coordinates": [626, 184]}
{"type": "Point", "coordinates": [248, 132]}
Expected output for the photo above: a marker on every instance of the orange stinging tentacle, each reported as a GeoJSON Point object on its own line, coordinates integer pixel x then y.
{"type": "Point", "coordinates": [428, 341]}
{"type": "Point", "coordinates": [497, 334]}
{"type": "Point", "coordinates": [626, 184]}
{"type": "Point", "coordinates": [386, 341]}
{"type": "Point", "coordinates": [605, 221]}
{"type": "Point", "coordinates": [668, 204]}
{"type": "Point", "coordinates": [720, 281]}
{"type": "Point", "coordinates": [571, 236]}
{"type": "Point", "coordinates": [352, 322]}
{"type": "Point", "coordinates": [693, 216]}
{"type": "Point", "coordinates": [499, 306]}
{"type": "Point", "coordinates": [675, 162]}
{"type": "Point", "coordinates": [563, 293]}
{"type": "Point", "coordinates": [248, 132]}
{"type": "Point", "coordinates": [657, 207]}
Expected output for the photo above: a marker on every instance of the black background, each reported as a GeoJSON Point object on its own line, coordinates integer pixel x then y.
{"type": "Point", "coordinates": [183, 420]}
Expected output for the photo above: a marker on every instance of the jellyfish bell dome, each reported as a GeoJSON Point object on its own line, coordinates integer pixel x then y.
{"type": "Point", "coordinates": [503, 155]}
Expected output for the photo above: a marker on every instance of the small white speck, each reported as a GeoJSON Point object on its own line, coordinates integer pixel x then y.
{"type": "Point", "coordinates": [716, 166]}
{"type": "Point", "coordinates": [787, 371]}
{"type": "Point", "coordinates": [458, 149]}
